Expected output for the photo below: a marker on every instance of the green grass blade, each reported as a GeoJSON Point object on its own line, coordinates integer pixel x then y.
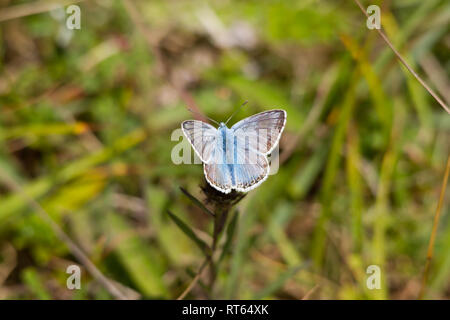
{"type": "Point", "coordinates": [197, 202]}
{"type": "Point", "coordinates": [190, 233]}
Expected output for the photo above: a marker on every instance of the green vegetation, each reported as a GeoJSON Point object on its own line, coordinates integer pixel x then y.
{"type": "Point", "coordinates": [86, 119]}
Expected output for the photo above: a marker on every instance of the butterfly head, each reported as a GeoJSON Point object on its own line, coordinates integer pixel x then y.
{"type": "Point", "coordinates": [222, 125]}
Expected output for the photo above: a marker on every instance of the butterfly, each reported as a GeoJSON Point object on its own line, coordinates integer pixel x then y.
{"type": "Point", "coordinates": [236, 158]}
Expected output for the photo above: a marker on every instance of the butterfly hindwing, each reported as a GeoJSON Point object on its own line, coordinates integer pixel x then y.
{"type": "Point", "coordinates": [217, 171]}
{"type": "Point", "coordinates": [249, 175]}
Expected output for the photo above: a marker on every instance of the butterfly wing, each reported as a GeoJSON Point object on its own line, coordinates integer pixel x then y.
{"type": "Point", "coordinates": [217, 170]}
{"type": "Point", "coordinates": [255, 137]}
{"type": "Point", "coordinates": [202, 136]}
{"type": "Point", "coordinates": [261, 132]}
{"type": "Point", "coordinates": [248, 174]}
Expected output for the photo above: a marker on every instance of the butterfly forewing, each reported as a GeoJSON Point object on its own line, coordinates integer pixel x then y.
{"type": "Point", "coordinates": [202, 137]}
{"type": "Point", "coordinates": [262, 131]}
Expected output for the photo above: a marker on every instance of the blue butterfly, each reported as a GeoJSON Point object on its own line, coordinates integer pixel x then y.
{"type": "Point", "coordinates": [236, 157]}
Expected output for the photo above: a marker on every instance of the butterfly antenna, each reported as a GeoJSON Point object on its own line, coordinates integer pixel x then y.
{"type": "Point", "coordinates": [245, 102]}
{"type": "Point", "coordinates": [203, 116]}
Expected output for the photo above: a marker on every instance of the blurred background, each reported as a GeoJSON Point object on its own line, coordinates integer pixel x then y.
{"type": "Point", "coordinates": [87, 115]}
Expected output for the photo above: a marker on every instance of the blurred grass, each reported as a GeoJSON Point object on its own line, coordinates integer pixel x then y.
{"type": "Point", "coordinates": [86, 118]}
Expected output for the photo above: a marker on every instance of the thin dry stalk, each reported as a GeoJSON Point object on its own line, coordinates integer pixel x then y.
{"type": "Point", "coordinates": [27, 9]}
{"type": "Point", "coordinates": [403, 61]}
{"type": "Point", "coordinates": [195, 280]}
{"type": "Point", "coordinates": [434, 230]}
{"type": "Point", "coordinates": [74, 249]}
{"type": "Point", "coordinates": [310, 292]}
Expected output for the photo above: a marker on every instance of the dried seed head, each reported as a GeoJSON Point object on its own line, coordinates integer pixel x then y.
{"type": "Point", "coordinates": [219, 200]}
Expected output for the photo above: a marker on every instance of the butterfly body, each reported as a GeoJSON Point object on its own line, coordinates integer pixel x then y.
{"type": "Point", "coordinates": [236, 157]}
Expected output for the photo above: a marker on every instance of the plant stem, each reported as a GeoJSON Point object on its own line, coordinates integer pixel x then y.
{"type": "Point", "coordinates": [434, 230]}
{"type": "Point", "coordinates": [219, 224]}
{"type": "Point", "coordinates": [403, 61]}
{"type": "Point", "coordinates": [222, 204]}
